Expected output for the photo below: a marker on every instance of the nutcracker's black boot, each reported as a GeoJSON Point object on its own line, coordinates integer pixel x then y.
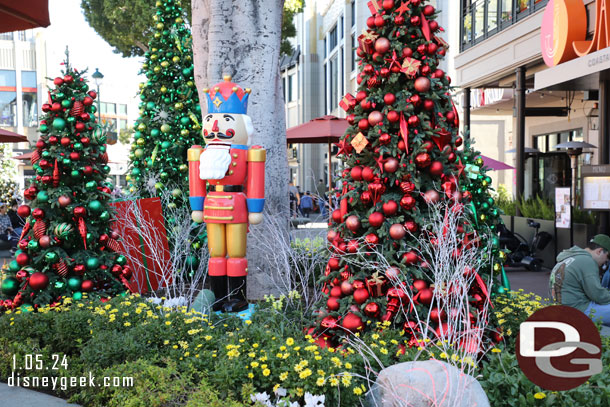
{"type": "Point", "coordinates": [219, 287]}
{"type": "Point", "coordinates": [237, 295]}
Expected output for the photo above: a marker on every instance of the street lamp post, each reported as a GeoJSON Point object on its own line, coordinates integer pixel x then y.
{"type": "Point", "coordinates": [98, 77]}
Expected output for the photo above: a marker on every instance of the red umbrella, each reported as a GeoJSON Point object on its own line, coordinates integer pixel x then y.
{"type": "Point", "coordinates": [16, 15]}
{"type": "Point", "coordinates": [495, 165]}
{"type": "Point", "coordinates": [24, 157]}
{"type": "Point", "coordinates": [325, 129]}
{"type": "Point", "coordinates": [10, 137]}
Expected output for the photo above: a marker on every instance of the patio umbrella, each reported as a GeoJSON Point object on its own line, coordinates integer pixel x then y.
{"type": "Point", "coordinates": [10, 137]}
{"type": "Point", "coordinates": [24, 157]}
{"type": "Point", "coordinates": [325, 129]}
{"type": "Point", "coordinates": [18, 15]}
{"type": "Point", "coordinates": [495, 165]}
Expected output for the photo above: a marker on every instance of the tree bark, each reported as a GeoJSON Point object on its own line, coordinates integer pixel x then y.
{"type": "Point", "coordinates": [242, 39]}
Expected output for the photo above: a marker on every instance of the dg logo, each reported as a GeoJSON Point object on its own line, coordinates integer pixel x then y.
{"type": "Point", "coordinates": [559, 348]}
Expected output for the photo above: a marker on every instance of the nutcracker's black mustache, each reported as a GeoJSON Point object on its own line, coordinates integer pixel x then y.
{"type": "Point", "coordinates": [218, 135]}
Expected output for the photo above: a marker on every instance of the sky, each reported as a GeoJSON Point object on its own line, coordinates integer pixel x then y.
{"type": "Point", "coordinates": [89, 50]}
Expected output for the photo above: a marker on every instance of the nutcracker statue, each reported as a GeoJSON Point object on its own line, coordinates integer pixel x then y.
{"type": "Point", "coordinates": [235, 191]}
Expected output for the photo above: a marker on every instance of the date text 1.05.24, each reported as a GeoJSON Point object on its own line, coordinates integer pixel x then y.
{"type": "Point", "coordinates": [33, 361]}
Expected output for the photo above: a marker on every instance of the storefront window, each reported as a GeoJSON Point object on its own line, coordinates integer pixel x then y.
{"type": "Point", "coordinates": [8, 78]}
{"type": "Point", "coordinates": [6, 36]}
{"type": "Point", "coordinates": [479, 18]}
{"type": "Point", "coordinates": [334, 82]}
{"type": "Point", "coordinates": [30, 109]}
{"type": "Point", "coordinates": [523, 5]}
{"type": "Point", "coordinates": [8, 108]}
{"type": "Point", "coordinates": [492, 15]}
{"type": "Point", "coordinates": [507, 10]}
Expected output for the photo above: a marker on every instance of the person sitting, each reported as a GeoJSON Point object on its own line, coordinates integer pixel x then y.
{"type": "Point", "coordinates": [8, 237]}
{"type": "Point", "coordinates": [575, 279]}
{"type": "Point", "coordinates": [306, 204]}
{"type": "Point", "coordinates": [17, 222]}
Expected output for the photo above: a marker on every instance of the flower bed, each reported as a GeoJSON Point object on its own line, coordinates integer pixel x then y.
{"type": "Point", "coordinates": [181, 358]}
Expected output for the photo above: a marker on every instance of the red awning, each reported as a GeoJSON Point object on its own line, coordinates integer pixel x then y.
{"type": "Point", "coordinates": [17, 15]}
{"type": "Point", "coordinates": [24, 157]}
{"type": "Point", "coordinates": [323, 129]}
{"type": "Point", "coordinates": [10, 137]}
{"type": "Point", "coordinates": [495, 165]}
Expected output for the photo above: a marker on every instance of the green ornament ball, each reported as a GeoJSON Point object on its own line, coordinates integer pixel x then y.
{"type": "Point", "coordinates": [158, 185]}
{"type": "Point", "coordinates": [10, 286]}
{"type": "Point", "coordinates": [155, 133]}
{"type": "Point", "coordinates": [137, 135]}
{"type": "Point", "coordinates": [139, 153]}
{"type": "Point", "coordinates": [166, 144]}
{"type": "Point", "coordinates": [95, 205]}
{"type": "Point", "coordinates": [46, 154]}
{"type": "Point", "coordinates": [78, 146]}
{"type": "Point", "coordinates": [192, 261]}
{"type": "Point", "coordinates": [121, 260]}
{"type": "Point", "coordinates": [42, 196]}
{"type": "Point", "coordinates": [185, 120]}
{"type": "Point", "coordinates": [89, 237]}
{"type": "Point", "coordinates": [33, 245]}
{"type": "Point", "coordinates": [102, 149]}
{"type": "Point", "coordinates": [43, 128]}
{"type": "Point", "coordinates": [104, 216]}
{"type": "Point", "coordinates": [13, 266]}
{"type": "Point", "coordinates": [59, 285]}
{"type": "Point", "coordinates": [77, 296]}
{"type": "Point", "coordinates": [150, 105]}
{"type": "Point", "coordinates": [66, 103]}
{"type": "Point", "coordinates": [74, 283]}
{"type": "Point", "coordinates": [66, 161]}
{"type": "Point", "coordinates": [91, 186]}
{"type": "Point", "coordinates": [106, 169]}
{"type": "Point", "coordinates": [51, 257]}
{"type": "Point", "coordinates": [59, 123]}
{"type": "Point", "coordinates": [92, 263]}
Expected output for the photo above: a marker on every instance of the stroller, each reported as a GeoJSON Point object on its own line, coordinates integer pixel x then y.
{"type": "Point", "coordinates": [522, 253]}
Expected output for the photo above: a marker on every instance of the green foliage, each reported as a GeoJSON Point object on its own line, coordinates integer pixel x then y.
{"type": "Point", "coordinates": [537, 208]}
{"type": "Point", "coordinates": [125, 135]}
{"type": "Point", "coordinates": [505, 202]}
{"type": "Point", "coordinates": [126, 26]}
{"type": "Point", "coordinates": [8, 187]}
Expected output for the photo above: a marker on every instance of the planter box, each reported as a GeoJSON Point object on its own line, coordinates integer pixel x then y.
{"type": "Point", "coordinates": [561, 237]}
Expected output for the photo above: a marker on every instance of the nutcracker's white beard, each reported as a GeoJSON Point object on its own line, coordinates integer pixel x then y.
{"type": "Point", "coordinates": [214, 162]}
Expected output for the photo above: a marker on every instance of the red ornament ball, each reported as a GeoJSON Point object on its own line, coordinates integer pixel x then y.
{"type": "Point", "coordinates": [39, 281]}
{"type": "Point", "coordinates": [64, 201]}
{"type": "Point", "coordinates": [38, 213]}
{"type": "Point", "coordinates": [389, 98]}
{"type": "Point", "coordinates": [372, 309]}
{"type": "Point", "coordinates": [368, 174]}
{"type": "Point", "coordinates": [379, 22]}
{"type": "Point", "coordinates": [407, 52]}
{"type": "Point", "coordinates": [399, 20]}
{"type": "Point", "coordinates": [415, 20]}
{"type": "Point", "coordinates": [333, 303]}
{"type": "Point", "coordinates": [372, 239]}
{"type": "Point", "coordinates": [425, 296]}
{"type": "Point", "coordinates": [410, 257]}
{"type": "Point", "coordinates": [375, 117]}
{"type": "Point", "coordinates": [387, 4]}
{"type": "Point", "coordinates": [347, 288]}
{"type": "Point", "coordinates": [382, 45]}
{"type": "Point", "coordinates": [431, 196]}
{"type": "Point", "coordinates": [353, 223]}
{"type": "Point", "coordinates": [361, 295]}
{"type": "Point", "coordinates": [363, 124]}
{"type": "Point", "coordinates": [24, 211]}
{"type": "Point", "coordinates": [80, 211]}
{"type": "Point", "coordinates": [436, 168]}
{"type": "Point", "coordinates": [407, 202]}
{"type": "Point", "coordinates": [44, 241]}
{"type": "Point", "coordinates": [423, 160]}
{"type": "Point", "coordinates": [428, 10]}
{"type": "Point", "coordinates": [337, 218]}
{"type": "Point", "coordinates": [390, 208]}
{"type": "Point", "coordinates": [393, 116]}
{"type": "Point", "coordinates": [58, 81]}
{"type": "Point", "coordinates": [413, 121]}
{"type": "Point", "coordinates": [391, 165]}
{"type": "Point", "coordinates": [356, 173]}
{"type": "Point", "coordinates": [351, 322]}
{"type": "Point", "coordinates": [420, 285]}
{"type": "Point", "coordinates": [385, 139]}
{"type": "Point", "coordinates": [392, 273]}
{"type": "Point", "coordinates": [92, 94]}
{"type": "Point", "coordinates": [428, 105]}
{"type": "Point", "coordinates": [22, 259]}
{"type": "Point", "coordinates": [333, 263]}
{"type": "Point", "coordinates": [397, 231]}
{"type": "Point", "coordinates": [411, 226]}
{"type": "Point", "coordinates": [422, 84]}
{"type": "Point", "coordinates": [376, 219]}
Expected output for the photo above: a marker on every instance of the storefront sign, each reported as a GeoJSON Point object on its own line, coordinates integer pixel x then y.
{"type": "Point", "coordinates": [563, 208]}
{"type": "Point", "coordinates": [564, 30]}
{"type": "Point", "coordinates": [595, 187]}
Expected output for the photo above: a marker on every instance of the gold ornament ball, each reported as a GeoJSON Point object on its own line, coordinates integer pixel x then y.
{"type": "Point", "coordinates": [484, 183]}
{"type": "Point", "coordinates": [483, 217]}
{"type": "Point", "coordinates": [127, 177]}
{"type": "Point", "coordinates": [183, 168]}
{"type": "Point", "coordinates": [157, 35]}
{"type": "Point", "coordinates": [158, 185]}
{"type": "Point", "coordinates": [141, 126]}
{"type": "Point", "coordinates": [157, 69]}
{"type": "Point", "coordinates": [164, 64]}
{"type": "Point", "coordinates": [179, 20]}
{"type": "Point", "coordinates": [159, 26]}
{"type": "Point", "coordinates": [184, 132]}
{"type": "Point", "coordinates": [176, 59]}
{"type": "Point", "coordinates": [502, 255]}
{"type": "Point", "coordinates": [178, 106]}
{"type": "Point", "coordinates": [132, 190]}
{"type": "Point", "coordinates": [139, 153]}
{"type": "Point", "coordinates": [190, 84]}
{"type": "Point", "coordinates": [163, 89]}
{"type": "Point", "coordinates": [497, 267]}
{"type": "Point", "coordinates": [154, 57]}
{"type": "Point", "coordinates": [155, 18]}
{"type": "Point", "coordinates": [158, 4]}
{"type": "Point", "coordinates": [478, 161]}
{"type": "Point", "coordinates": [154, 49]}
{"type": "Point", "coordinates": [172, 205]}
{"type": "Point", "coordinates": [165, 128]}
{"type": "Point", "coordinates": [141, 85]}
{"type": "Point", "coordinates": [141, 142]}
{"type": "Point", "coordinates": [188, 57]}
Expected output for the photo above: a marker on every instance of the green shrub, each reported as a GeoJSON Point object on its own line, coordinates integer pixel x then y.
{"type": "Point", "coordinates": [505, 202]}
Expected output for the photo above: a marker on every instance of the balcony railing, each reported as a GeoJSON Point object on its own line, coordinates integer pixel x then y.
{"type": "Point", "coordinates": [482, 19]}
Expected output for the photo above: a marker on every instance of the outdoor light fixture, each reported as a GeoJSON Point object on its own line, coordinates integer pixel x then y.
{"type": "Point", "coordinates": [98, 78]}
{"type": "Point", "coordinates": [574, 149]}
{"type": "Point", "coordinates": [593, 118]}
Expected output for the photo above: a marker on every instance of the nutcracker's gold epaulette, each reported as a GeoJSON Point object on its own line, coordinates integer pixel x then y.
{"type": "Point", "coordinates": [193, 153]}
{"type": "Point", "coordinates": [257, 154]}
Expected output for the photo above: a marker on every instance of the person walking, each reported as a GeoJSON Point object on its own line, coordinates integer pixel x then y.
{"type": "Point", "coordinates": [306, 204]}
{"type": "Point", "coordinates": [575, 279]}
{"type": "Point", "coordinates": [321, 191]}
{"type": "Point", "coordinates": [295, 199]}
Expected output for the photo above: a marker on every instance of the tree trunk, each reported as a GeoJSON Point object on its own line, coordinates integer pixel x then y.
{"type": "Point", "coordinates": [242, 39]}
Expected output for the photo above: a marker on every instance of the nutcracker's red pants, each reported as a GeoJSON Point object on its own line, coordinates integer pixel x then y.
{"type": "Point", "coordinates": [223, 239]}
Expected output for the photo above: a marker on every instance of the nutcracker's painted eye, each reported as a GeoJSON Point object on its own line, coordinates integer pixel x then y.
{"type": "Point", "coordinates": [208, 118]}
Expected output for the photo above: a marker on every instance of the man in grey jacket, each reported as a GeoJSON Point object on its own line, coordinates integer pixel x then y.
{"type": "Point", "coordinates": [575, 279]}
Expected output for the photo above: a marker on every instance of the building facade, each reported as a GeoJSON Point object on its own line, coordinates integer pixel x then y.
{"type": "Point", "coordinates": [22, 89]}
{"type": "Point", "coordinates": [501, 46]}
{"type": "Point", "coordinates": [323, 69]}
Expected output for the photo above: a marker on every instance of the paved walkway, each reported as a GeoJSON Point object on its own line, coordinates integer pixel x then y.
{"type": "Point", "coordinates": [20, 397]}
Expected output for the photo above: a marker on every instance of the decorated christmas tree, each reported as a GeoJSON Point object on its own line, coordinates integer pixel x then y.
{"type": "Point", "coordinates": [67, 246]}
{"type": "Point", "coordinates": [403, 167]}
{"type": "Point", "coordinates": [170, 114]}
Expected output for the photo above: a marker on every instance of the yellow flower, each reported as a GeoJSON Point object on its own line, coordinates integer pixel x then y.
{"type": "Point", "coordinates": [248, 322]}
{"type": "Point", "coordinates": [357, 391]}
{"type": "Point", "coordinates": [254, 364]}
{"type": "Point", "coordinates": [168, 323]}
{"type": "Point", "coordinates": [443, 355]}
{"type": "Point", "coordinates": [375, 336]}
{"type": "Point", "coordinates": [305, 373]}
{"type": "Point", "coordinates": [250, 375]}
{"type": "Point", "coordinates": [283, 376]}
{"type": "Point", "coordinates": [320, 381]}
{"type": "Point", "coordinates": [496, 350]}
{"type": "Point", "coordinates": [127, 324]}
{"type": "Point", "coordinates": [289, 341]}
{"type": "Point", "coordinates": [334, 381]}
{"type": "Point", "coordinates": [384, 351]}
{"type": "Point", "coordinates": [266, 372]}
{"type": "Point", "coordinates": [255, 345]}
{"type": "Point", "coordinates": [539, 395]}
{"type": "Point", "coordinates": [336, 361]}
{"type": "Point", "coordinates": [346, 379]}
{"type": "Point", "coordinates": [207, 337]}
{"type": "Point", "coordinates": [300, 391]}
